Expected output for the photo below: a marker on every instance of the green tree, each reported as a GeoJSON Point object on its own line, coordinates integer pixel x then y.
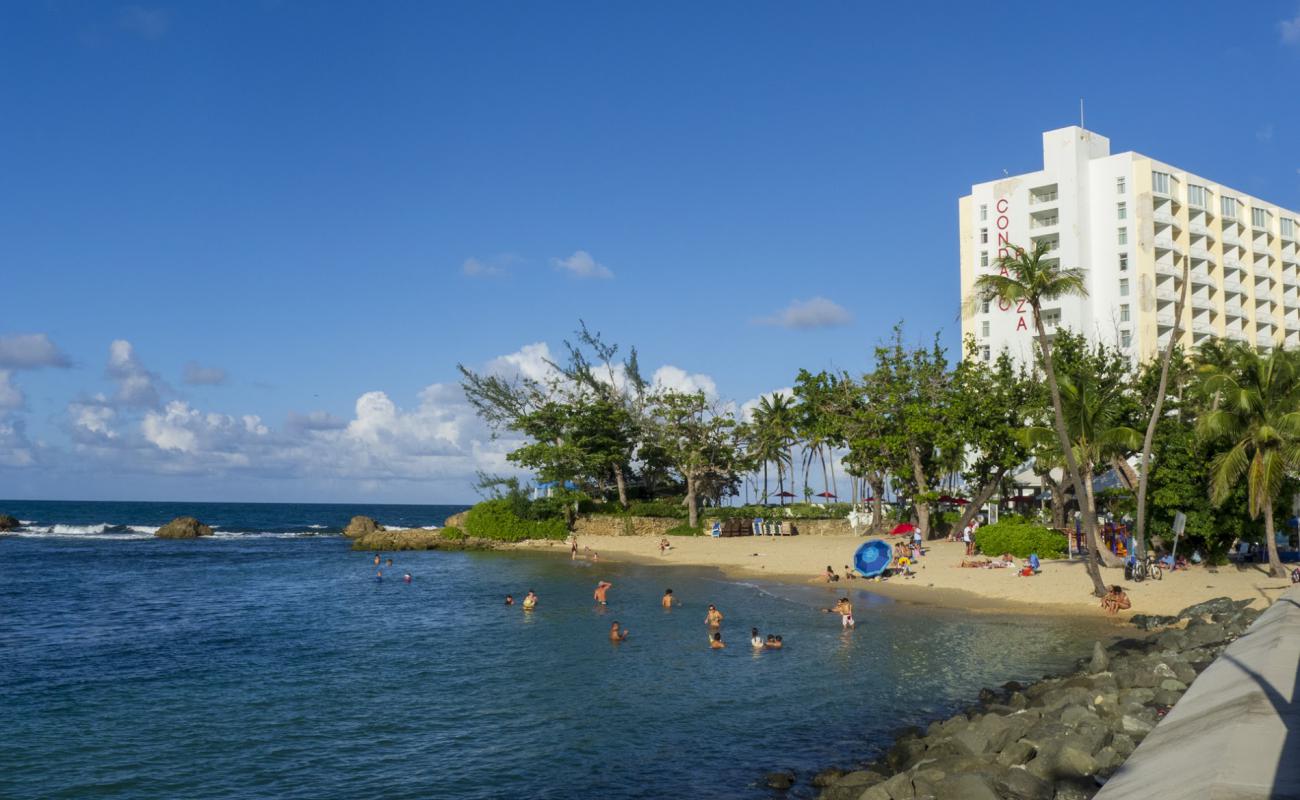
{"type": "Point", "coordinates": [1255, 409]}
{"type": "Point", "coordinates": [698, 440]}
{"type": "Point", "coordinates": [1033, 278]}
{"type": "Point", "coordinates": [773, 438]}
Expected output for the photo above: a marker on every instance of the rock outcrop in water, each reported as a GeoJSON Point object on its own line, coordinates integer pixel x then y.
{"type": "Point", "coordinates": [183, 528]}
{"type": "Point", "coordinates": [420, 539]}
{"type": "Point", "coordinates": [361, 526]}
{"type": "Point", "coordinates": [8, 523]}
{"type": "Point", "coordinates": [1058, 738]}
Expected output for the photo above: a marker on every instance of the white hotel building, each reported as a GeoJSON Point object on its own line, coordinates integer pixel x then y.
{"type": "Point", "coordinates": [1131, 223]}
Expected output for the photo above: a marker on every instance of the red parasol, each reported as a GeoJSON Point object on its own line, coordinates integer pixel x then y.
{"type": "Point", "coordinates": [827, 495]}
{"type": "Point", "coordinates": [902, 528]}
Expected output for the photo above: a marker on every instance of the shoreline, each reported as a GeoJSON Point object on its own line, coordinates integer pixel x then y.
{"type": "Point", "coordinates": [1062, 589]}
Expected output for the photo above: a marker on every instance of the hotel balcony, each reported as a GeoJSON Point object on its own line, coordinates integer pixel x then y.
{"type": "Point", "coordinates": [1289, 255]}
{"type": "Point", "coordinates": [1234, 309]}
{"type": "Point", "coordinates": [1201, 276]}
{"type": "Point", "coordinates": [1047, 218]}
{"type": "Point", "coordinates": [1164, 217]}
{"type": "Point", "coordinates": [1264, 339]}
{"type": "Point", "coordinates": [1167, 243]}
{"type": "Point", "coordinates": [1233, 286]}
{"type": "Point", "coordinates": [1166, 294]}
{"type": "Point", "coordinates": [1168, 268]}
{"type": "Point", "coordinates": [1236, 335]}
{"type": "Point", "coordinates": [1231, 263]}
{"type": "Point", "coordinates": [1200, 253]}
{"type": "Point", "coordinates": [1043, 194]}
{"type": "Point", "coordinates": [1291, 301]}
{"type": "Point", "coordinates": [1230, 237]}
{"type": "Point", "coordinates": [1261, 248]}
{"type": "Point", "coordinates": [1204, 304]}
{"type": "Point", "coordinates": [1264, 318]}
{"type": "Point", "coordinates": [1260, 270]}
{"type": "Point", "coordinates": [1288, 235]}
{"type": "Point", "coordinates": [1202, 328]}
{"type": "Point", "coordinates": [1165, 319]}
{"type": "Point", "coordinates": [1201, 229]}
{"type": "Point", "coordinates": [1291, 322]}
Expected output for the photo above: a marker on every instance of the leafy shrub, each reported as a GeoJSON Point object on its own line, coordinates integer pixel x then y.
{"type": "Point", "coordinates": [796, 511]}
{"type": "Point", "coordinates": [498, 519]}
{"type": "Point", "coordinates": [1020, 539]}
{"type": "Point", "coordinates": [684, 530]}
{"type": "Point", "coordinates": [451, 533]}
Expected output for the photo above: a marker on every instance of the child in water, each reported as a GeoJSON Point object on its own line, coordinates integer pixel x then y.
{"type": "Point", "coordinates": [716, 642]}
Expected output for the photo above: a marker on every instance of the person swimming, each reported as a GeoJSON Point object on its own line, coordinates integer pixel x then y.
{"type": "Point", "coordinates": [754, 638]}
{"type": "Point", "coordinates": [379, 575]}
{"type": "Point", "coordinates": [774, 643]}
{"type": "Point", "coordinates": [716, 642]}
{"type": "Point", "coordinates": [388, 563]}
{"type": "Point", "coordinates": [614, 634]}
{"type": "Point", "coordinates": [668, 600]}
{"type": "Point", "coordinates": [601, 588]}
{"type": "Point", "coordinates": [510, 599]}
{"type": "Point", "coordinates": [530, 601]}
{"type": "Point", "coordinates": [714, 618]}
{"type": "Point", "coordinates": [406, 578]}
{"type": "Point", "coordinates": [376, 559]}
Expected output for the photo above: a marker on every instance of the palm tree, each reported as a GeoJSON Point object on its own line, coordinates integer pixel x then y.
{"type": "Point", "coordinates": [774, 433]}
{"type": "Point", "coordinates": [1030, 278]}
{"type": "Point", "coordinates": [1256, 407]}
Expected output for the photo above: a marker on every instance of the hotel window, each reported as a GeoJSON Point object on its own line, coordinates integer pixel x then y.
{"type": "Point", "coordinates": [1121, 210]}
{"type": "Point", "coordinates": [984, 213]}
{"type": "Point", "coordinates": [1259, 216]}
{"type": "Point", "coordinates": [1160, 182]}
{"type": "Point", "coordinates": [986, 352]}
{"type": "Point", "coordinates": [984, 329]}
{"type": "Point", "coordinates": [1123, 262]}
{"type": "Point", "coordinates": [1197, 196]}
{"type": "Point", "coordinates": [1123, 235]}
{"type": "Point", "coordinates": [1123, 287]}
{"type": "Point", "coordinates": [1123, 313]}
{"type": "Point", "coordinates": [1288, 227]}
{"type": "Point", "coordinates": [984, 258]}
{"type": "Point", "coordinates": [984, 235]}
{"type": "Point", "coordinates": [1229, 207]}
{"type": "Point", "coordinates": [984, 307]}
{"type": "Point", "coordinates": [1119, 185]}
{"type": "Point", "coordinates": [1125, 338]}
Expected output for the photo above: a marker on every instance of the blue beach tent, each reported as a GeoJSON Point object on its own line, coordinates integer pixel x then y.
{"type": "Point", "coordinates": [873, 557]}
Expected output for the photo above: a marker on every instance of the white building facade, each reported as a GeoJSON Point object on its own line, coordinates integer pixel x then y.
{"type": "Point", "coordinates": [1133, 224]}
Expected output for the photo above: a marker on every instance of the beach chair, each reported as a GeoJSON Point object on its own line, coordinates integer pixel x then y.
{"type": "Point", "coordinates": [716, 530]}
{"type": "Point", "coordinates": [777, 528]}
{"type": "Point", "coordinates": [757, 526]}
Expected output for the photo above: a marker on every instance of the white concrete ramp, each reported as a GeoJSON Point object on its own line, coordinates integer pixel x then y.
{"type": "Point", "coordinates": [1235, 734]}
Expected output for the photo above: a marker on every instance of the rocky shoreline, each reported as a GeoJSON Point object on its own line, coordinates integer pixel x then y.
{"type": "Point", "coordinates": [1059, 738]}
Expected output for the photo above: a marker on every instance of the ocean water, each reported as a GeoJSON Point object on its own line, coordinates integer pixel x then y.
{"type": "Point", "coordinates": [271, 664]}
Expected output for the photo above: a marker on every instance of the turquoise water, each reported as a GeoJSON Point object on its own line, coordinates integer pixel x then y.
{"type": "Point", "coordinates": [258, 666]}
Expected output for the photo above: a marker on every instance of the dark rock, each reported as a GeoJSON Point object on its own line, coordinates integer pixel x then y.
{"type": "Point", "coordinates": [1135, 725]}
{"type": "Point", "coordinates": [1216, 606]}
{"type": "Point", "coordinates": [827, 777]}
{"type": "Point", "coordinates": [852, 785]}
{"type": "Point", "coordinates": [987, 696]}
{"type": "Point", "coordinates": [1166, 698]}
{"type": "Point", "coordinates": [970, 786]}
{"type": "Point", "coordinates": [1123, 744]}
{"type": "Point", "coordinates": [1100, 661]}
{"type": "Point", "coordinates": [183, 528]}
{"type": "Point", "coordinates": [1075, 789]}
{"type": "Point", "coordinates": [1020, 784]}
{"type": "Point", "coordinates": [782, 779]}
{"type": "Point", "coordinates": [1012, 686]}
{"type": "Point", "coordinates": [8, 523]}
{"type": "Point", "coordinates": [1150, 622]}
{"type": "Point", "coordinates": [360, 526]}
{"type": "Point", "coordinates": [904, 754]}
{"type": "Point", "coordinates": [1073, 761]}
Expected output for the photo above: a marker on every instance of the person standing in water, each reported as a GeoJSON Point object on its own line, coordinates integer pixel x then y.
{"type": "Point", "coordinates": [510, 599]}
{"type": "Point", "coordinates": [755, 639]}
{"type": "Point", "coordinates": [615, 635]}
{"type": "Point", "coordinates": [716, 642]}
{"type": "Point", "coordinates": [530, 601]}
{"type": "Point", "coordinates": [668, 600]}
{"type": "Point", "coordinates": [714, 618]}
{"type": "Point", "coordinates": [573, 548]}
{"type": "Point", "coordinates": [845, 609]}
{"type": "Point", "coordinates": [601, 588]}
{"type": "Point", "coordinates": [376, 559]}
{"type": "Point", "coordinates": [406, 578]}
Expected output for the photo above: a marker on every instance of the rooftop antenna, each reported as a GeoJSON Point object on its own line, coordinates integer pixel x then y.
{"type": "Point", "coordinates": [1081, 125]}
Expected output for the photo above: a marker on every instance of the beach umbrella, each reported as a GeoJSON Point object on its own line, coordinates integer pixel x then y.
{"type": "Point", "coordinates": [873, 557]}
{"type": "Point", "coordinates": [827, 495]}
{"type": "Point", "coordinates": [905, 527]}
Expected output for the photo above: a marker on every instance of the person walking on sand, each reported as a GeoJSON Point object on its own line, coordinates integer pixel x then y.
{"type": "Point", "coordinates": [601, 588]}
{"type": "Point", "coordinates": [615, 635]}
{"type": "Point", "coordinates": [716, 642]}
{"type": "Point", "coordinates": [668, 600]}
{"type": "Point", "coordinates": [968, 538]}
{"type": "Point", "coordinates": [714, 618]}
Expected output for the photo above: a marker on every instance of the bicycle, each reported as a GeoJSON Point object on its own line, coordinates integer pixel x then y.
{"type": "Point", "coordinates": [1143, 568]}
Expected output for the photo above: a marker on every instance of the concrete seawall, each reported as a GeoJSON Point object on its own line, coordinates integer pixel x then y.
{"type": "Point", "coordinates": [1235, 734]}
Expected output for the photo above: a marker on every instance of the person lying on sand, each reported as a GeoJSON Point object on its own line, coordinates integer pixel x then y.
{"type": "Point", "coordinates": [716, 642]}
{"type": "Point", "coordinates": [1115, 601]}
{"type": "Point", "coordinates": [601, 588]}
{"type": "Point", "coordinates": [849, 573]}
{"type": "Point", "coordinates": [831, 577]}
{"type": "Point", "coordinates": [714, 618]}
{"type": "Point", "coordinates": [615, 635]}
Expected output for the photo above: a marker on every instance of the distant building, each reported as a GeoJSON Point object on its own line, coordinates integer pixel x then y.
{"type": "Point", "coordinates": [1131, 222]}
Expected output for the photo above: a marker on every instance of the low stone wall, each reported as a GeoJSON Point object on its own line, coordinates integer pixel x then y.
{"type": "Point", "coordinates": [1236, 732]}
{"type": "Point", "coordinates": [611, 525]}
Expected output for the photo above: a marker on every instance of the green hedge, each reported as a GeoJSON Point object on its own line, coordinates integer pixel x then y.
{"type": "Point", "coordinates": [796, 511]}
{"type": "Point", "coordinates": [684, 530]}
{"type": "Point", "coordinates": [496, 519]}
{"type": "Point", "coordinates": [451, 533]}
{"type": "Point", "coordinates": [1020, 539]}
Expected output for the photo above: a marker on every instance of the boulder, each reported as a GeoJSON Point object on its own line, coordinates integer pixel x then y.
{"type": "Point", "coordinates": [456, 520]}
{"type": "Point", "coordinates": [970, 786]}
{"type": "Point", "coordinates": [1150, 622]}
{"type": "Point", "coordinates": [360, 526]}
{"type": "Point", "coordinates": [827, 777]}
{"type": "Point", "coordinates": [1218, 605]}
{"type": "Point", "coordinates": [1134, 725]}
{"type": "Point", "coordinates": [1100, 661]}
{"type": "Point", "coordinates": [781, 779]}
{"type": "Point", "coordinates": [1019, 784]}
{"type": "Point", "coordinates": [852, 785]}
{"type": "Point", "coordinates": [8, 523]}
{"type": "Point", "coordinates": [183, 528]}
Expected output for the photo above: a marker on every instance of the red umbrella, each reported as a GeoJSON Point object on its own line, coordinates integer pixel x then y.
{"type": "Point", "coordinates": [782, 494]}
{"type": "Point", "coordinates": [902, 528]}
{"type": "Point", "coordinates": [827, 495]}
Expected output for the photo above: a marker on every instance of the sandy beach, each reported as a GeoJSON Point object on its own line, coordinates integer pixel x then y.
{"type": "Point", "coordinates": [1063, 587]}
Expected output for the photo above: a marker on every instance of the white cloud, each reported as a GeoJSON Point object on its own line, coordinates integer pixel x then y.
{"type": "Point", "coordinates": [198, 375]}
{"type": "Point", "coordinates": [314, 421]}
{"type": "Point", "coordinates": [15, 449]}
{"type": "Point", "coordinates": [531, 361]}
{"type": "Point", "coordinates": [817, 312]}
{"type": "Point", "coordinates": [679, 380]}
{"type": "Point", "coordinates": [92, 419]}
{"type": "Point", "coordinates": [11, 397]}
{"type": "Point", "coordinates": [1290, 30]}
{"type": "Point", "coordinates": [136, 385]}
{"type": "Point", "coordinates": [582, 265]}
{"type": "Point", "coordinates": [493, 267]}
{"type": "Point", "coordinates": [30, 351]}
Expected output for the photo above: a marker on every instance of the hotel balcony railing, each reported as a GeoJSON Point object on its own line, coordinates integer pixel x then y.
{"type": "Point", "coordinates": [1261, 248]}
{"type": "Point", "coordinates": [1165, 218]}
{"type": "Point", "coordinates": [1291, 301]}
{"type": "Point", "coordinates": [1166, 295]}
{"type": "Point", "coordinates": [1172, 270]}
{"type": "Point", "coordinates": [1047, 222]}
{"type": "Point", "coordinates": [1046, 197]}
{"type": "Point", "coordinates": [1234, 310]}
{"type": "Point", "coordinates": [1231, 263]}
{"type": "Point", "coordinates": [1231, 238]}
{"type": "Point", "coordinates": [1165, 319]}
{"type": "Point", "coordinates": [1261, 270]}
{"type": "Point", "coordinates": [1233, 286]}
{"type": "Point", "coordinates": [1200, 253]}
{"type": "Point", "coordinates": [1264, 339]}
{"type": "Point", "coordinates": [1264, 318]}
{"type": "Point", "coordinates": [1237, 336]}
{"type": "Point", "coordinates": [1167, 243]}
{"type": "Point", "coordinates": [1202, 328]}
{"type": "Point", "coordinates": [1289, 255]}
{"type": "Point", "coordinates": [1200, 229]}
{"type": "Point", "coordinates": [1201, 277]}
{"type": "Point", "coordinates": [1291, 323]}
{"type": "Point", "coordinates": [1204, 304]}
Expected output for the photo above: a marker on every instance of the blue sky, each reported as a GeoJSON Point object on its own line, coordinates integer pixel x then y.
{"type": "Point", "coordinates": [317, 209]}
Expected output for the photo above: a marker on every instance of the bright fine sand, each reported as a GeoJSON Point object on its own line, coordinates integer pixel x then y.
{"type": "Point", "coordinates": [1062, 587]}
